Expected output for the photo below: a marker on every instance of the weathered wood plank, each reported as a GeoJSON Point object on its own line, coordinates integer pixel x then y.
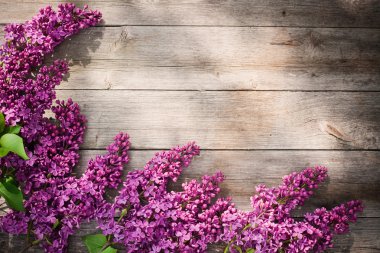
{"type": "Point", "coordinates": [232, 119]}
{"type": "Point", "coordinates": [208, 58]}
{"type": "Point", "coordinates": [343, 166]}
{"type": "Point", "coordinates": [363, 238]}
{"type": "Point", "coordinates": [244, 169]}
{"type": "Point", "coordinates": [352, 174]}
{"type": "Point", "coordinates": [225, 46]}
{"type": "Point", "coordinates": [324, 13]}
{"type": "Point", "coordinates": [115, 75]}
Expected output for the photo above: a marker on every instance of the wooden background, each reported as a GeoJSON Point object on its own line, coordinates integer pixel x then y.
{"type": "Point", "coordinates": [265, 87]}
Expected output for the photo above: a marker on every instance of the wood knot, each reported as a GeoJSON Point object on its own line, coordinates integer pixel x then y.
{"type": "Point", "coordinates": [123, 35]}
{"type": "Point", "coordinates": [122, 40]}
{"type": "Point", "coordinates": [334, 131]}
{"type": "Point", "coordinates": [314, 39]}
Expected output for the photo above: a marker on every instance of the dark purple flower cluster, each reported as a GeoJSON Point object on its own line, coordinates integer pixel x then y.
{"type": "Point", "coordinates": [269, 226]}
{"type": "Point", "coordinates": [145, 217]}
{"type": "Point", "coordinates": [56, 201]}
{"type": "Point", "coordinates": [26, 84]}
{"type": "Point", "coordinates": [152, 219]}
{"type": "Point", "coordinates": [60, 204]}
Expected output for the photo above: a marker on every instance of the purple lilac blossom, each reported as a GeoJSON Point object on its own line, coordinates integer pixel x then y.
{"type": "Point", "coordinates": [145, 217]}
{"type": "Point", "coordinates": [269, 226]}
{"type": "Point", "coordinates": [55, 210]}
{"type": "Point", "coordinates": [153, 219]}
{"type": "Point", "coordinates": [26, 83]}
{"type": "Point", "coordinates": [56, 201]}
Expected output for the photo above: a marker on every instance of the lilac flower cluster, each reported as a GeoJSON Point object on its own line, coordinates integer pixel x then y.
{"type": "Point", "coordinates": [145, 217]}
{"type": "Point", "coordinates": [26, 84]}
{"type": "Point", "coordinates": [56, 210]}
{"type": "Point", "coordinates": [269, 226]}
{"type": "Point", "coordinates": [151, 219]}
{"type": "Point", "coordinates": [56, 201]}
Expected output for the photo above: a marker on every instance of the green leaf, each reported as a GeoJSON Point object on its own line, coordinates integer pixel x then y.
{"type": "Point", "coordinates": [95, 243]}
{"type": "Point", "coordinates": [3, 152]}
{"type": "Point", "coordinates": [12, 194]}
{"type": "Point", "coordinates": [13, 143]}
{"type": "Point", "coordinates": [2, 122]}
{"type": "Point", "coordinates": [13, 129]}
{"type": "Point", "coordinates": [109, 249]}
{"type": "Point", "coordinates": [250, 250]}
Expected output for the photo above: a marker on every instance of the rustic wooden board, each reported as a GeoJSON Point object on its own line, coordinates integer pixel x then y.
{"type": "Point", "coordinates": [232, 119]}
{"type": "Point", "coordinates": [225, 46]}
{"type": "Point", "coordinates": [209, 58]}
{"type": "Point", "coordinates": [323, 13]}
{"type": "Point", "coordinates": [246, 169]}
{"type": "Point", "coordinates": [293, 63]}
{"type": "Point", "coordinates": [223, 58]}
{"type": "Point", "coordinates": [363, 238]}
{"type": "Point", "coordinates": [249, 168]}
{"type": "Point", "coordinates": [115, 75]}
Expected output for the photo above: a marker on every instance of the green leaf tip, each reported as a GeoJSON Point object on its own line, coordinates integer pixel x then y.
{"type": "Point", "coordinates": [95, 244]}
{"type": "Point", "coordinates": [12, 143]}
{"type": "Point", "coordinates": [12, 194]}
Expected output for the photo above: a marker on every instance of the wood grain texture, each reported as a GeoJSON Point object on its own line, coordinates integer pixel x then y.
{"type": "Point", "coordinates": [246, 169]}
{"type": "Point", "coordinates": [323, 13]}
{"type": "Point", "coordinates": [249, 168]}
{"type": "Point", "coordinates": [223, 58]}
{"type": "Point", "coordinates": [225, 46]}
{"type": "Point", "coordinates": [306, 72]}
{"type": "Point", "coordinates": [363, 238]}
{"type": "Point", "coordinates": [113, 75]}
{"type": "Point", "coordinates": [232, 119]}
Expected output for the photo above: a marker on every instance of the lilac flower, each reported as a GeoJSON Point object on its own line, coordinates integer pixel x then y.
{"type": "Point", "coordinates": [333, 221]}
{"type": "Point", "coordinates": [152, 219]}
{"type": "Point", "coordinates": [55, 210]}
{"type": "Point", "coordinates": [269, 226]}
{"type": "Point", "coordinates": [145, 217]}
{"type": "Point", "coordinates": [26, 84]}
{"type": "Point", "coordinates": [276, 203]}
{"type": "Point", "coordinates": [56, 201]}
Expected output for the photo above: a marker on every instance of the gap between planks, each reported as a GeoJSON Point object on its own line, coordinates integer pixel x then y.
{"type": "Point", "coordinates": [206, 12]}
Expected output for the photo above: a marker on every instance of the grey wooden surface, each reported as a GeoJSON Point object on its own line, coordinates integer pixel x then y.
{"type": "Point", "coordinates": [265, 87]}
